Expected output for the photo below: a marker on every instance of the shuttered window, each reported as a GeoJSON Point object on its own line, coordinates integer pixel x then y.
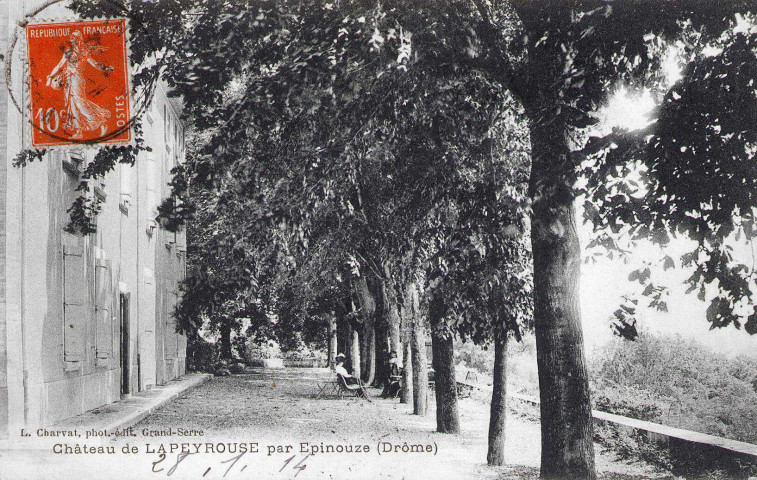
{"type": "Point", "coordinates": [74, 301]}
{"type": "Point", "coordinates": [151, 183]}
{"type": "Point", "coordinates": [103, 312]}
{"type": "Point", "coordinates": [170, 331]}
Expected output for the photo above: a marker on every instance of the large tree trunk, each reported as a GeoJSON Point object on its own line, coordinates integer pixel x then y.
{"type": "Point", "coordinates": [332, 339]}
{"type": "Point", "coordinates": [496, 454]}
{"type": "Point", "coordinates": [224, 331]}
{"type": "Point", "coordinates": [566, 423]}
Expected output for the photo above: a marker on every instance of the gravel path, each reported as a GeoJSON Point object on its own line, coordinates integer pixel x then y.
{"type": "Point", "coordinates": [221, 423]}
{"type": "Point", "coordinates": [279, 408]}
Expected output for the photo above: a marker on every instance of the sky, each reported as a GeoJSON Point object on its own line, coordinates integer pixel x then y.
{"type": "Point", "coordinates": [605, 282]}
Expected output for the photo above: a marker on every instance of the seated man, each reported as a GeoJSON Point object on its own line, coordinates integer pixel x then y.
{"type": "Point", "coordinates": [392, 385]}
{"type": "Point", "coordinates": [349, 379]}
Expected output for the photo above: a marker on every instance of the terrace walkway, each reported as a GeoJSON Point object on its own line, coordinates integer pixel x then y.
{"type": "Point", "coordinates": [279, 412]}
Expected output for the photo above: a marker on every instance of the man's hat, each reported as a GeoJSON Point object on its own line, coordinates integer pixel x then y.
{"type": "Point", "coordinates": [340, 355]}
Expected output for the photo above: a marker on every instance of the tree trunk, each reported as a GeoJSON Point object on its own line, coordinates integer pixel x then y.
{"type": "Point", "coordinates": [364, 336]}
{"type": "Point", "coordinates": [406, 394]}
{"type": "Point", "coordinates": [388, 330]}
{"type": "Point", "coordinates": [329, 350]}
{"type": "Point", "coordinates": [395, 336]}
{"type": "Point", "coordinates": [566, 423]}
{"type": "Point", "coordinates": [382, 369]}
{"type": "Point", "coordinates": [224, 331]}
{"type": "Point", "coordinates": [367, 304]}
{"type": "Point", "coordinates": [387, 319]}
{"type": "Point", "coordinates": [348, 346]}
{"type": "Point", "coordinates": [447, 418]}
{"type": "Point", "coordinates": [496, 454]}
{"type": "Point", "coordinates": [369, 353]}
{"type": "Point", "coordinates": [341, 337]}
{"type": "Point", "coordinates": [406, 330]}
{"type": "Point", "coordinates": [332, 339]}
{"type": "Point", "coordinates": [393, 315]}
{"type": "Point", "coordinates": [420, 369]}
{"type": "Point", "coordinates": [418, 353]}
{"type": "Point", "coordinates": [343, 332]}
{"type": "Point", "coordinates": [355, 353]}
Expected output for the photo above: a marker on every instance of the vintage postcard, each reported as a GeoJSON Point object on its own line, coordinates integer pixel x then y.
{"type": "Point", "coordinates": [350, 239]}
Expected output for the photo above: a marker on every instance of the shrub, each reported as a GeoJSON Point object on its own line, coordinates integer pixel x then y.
{"type": "Point", "coordinates": [236, 367]}
{"type": "Point", "coordinates": [201, 354]}
{"type": "Point", "coordinates": [630, 445]}
{"type": "Point", "coordinates": [696, 388]}
{"type": "Point", "coordinates": [239, 343]}
{"type": "Point", "coordinates": [475, 357]}
{"type": "Point", "coordinates": [628, 401]}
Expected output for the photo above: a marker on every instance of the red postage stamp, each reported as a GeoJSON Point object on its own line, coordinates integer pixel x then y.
{"type": "Point", "coordinates": [79, 83]}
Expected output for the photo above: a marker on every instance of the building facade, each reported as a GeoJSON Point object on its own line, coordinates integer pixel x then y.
{"type": "Point", "coordinates": [84, 320]}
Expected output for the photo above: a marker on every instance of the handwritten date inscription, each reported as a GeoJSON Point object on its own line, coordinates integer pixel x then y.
{"type": "Point", "coordinates": [230, 465]}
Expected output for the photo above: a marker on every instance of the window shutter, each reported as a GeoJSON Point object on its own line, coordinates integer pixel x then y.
{"type": "Point", "coordinates": [152, 201]}
{"type": "Point", "coordinates": [74, 301]}
{"type": "Point", "coordinates": [103, 305]}
{"type": "Point", "coordinates": [147, 309]}
{"type": "Point", "coordinates": [170, 332]}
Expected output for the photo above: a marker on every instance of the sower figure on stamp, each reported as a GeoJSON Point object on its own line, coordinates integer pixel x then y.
{"type": "Point", "coordinates": [348, 378]}
{"type": "Point", "coordinates": [82, 114]}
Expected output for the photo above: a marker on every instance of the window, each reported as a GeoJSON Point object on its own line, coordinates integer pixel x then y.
{"type": "Point", "coordinates": [166, 127]}
{"type": "Point", "coordinates": [125, 176]}
{"type": "Point", "coordinates": [150, 112]}
{"type": "Point", "coordinates": [74, 298]}
{"type": "Point", "coordinates": [72, 163]}
{"type": "Point", "coordinates": [103, 308]}
{"type": "Point", "coordinates": [69, 182]}
{"type": "Point", "coordinates": [124, 342]}
{"type": "Point", "coordinates": [176, 136]}
{"type": "Point", "coordinates": [171, 339]}
{"type": "Point", "coordinates": [151, 186]}
{"type": "Point", "coordinates": [151, 202]}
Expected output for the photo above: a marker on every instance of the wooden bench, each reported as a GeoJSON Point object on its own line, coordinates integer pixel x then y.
{"type": "Point", "coordinates": [464, 389]}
